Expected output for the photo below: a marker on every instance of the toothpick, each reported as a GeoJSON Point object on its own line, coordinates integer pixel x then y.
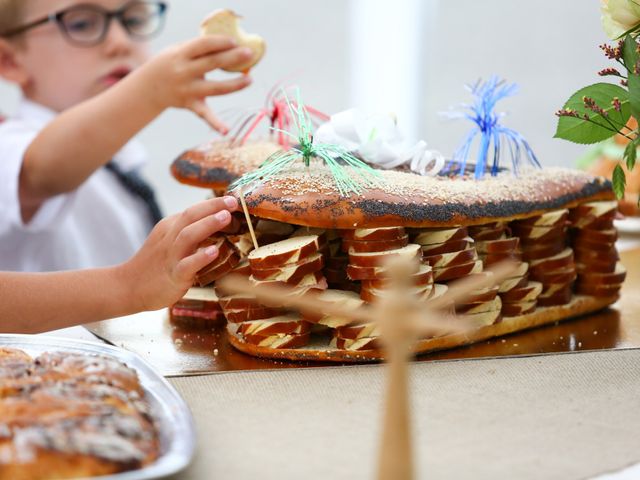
{"type": "Point", "coordinates": [246, 215]}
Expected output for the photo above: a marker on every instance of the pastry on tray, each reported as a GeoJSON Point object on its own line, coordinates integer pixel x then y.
{"type": "Point", "coordinates": [66, 415]}
{"type": "Point", "coordinates": [339, 219]}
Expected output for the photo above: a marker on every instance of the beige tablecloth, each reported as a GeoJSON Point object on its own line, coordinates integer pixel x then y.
{"type": "Point", "coordinates": [568, 416]}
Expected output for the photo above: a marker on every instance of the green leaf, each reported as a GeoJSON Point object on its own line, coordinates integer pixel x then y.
{"type": "Point", "coordinates": [578, 130]}
{"type": "Point", "coordinates": [619, 181]}
{"type": "Point", "coordinates": [630, 153]}
{"type": "Point", "coordinates": [630, 58]}
{"type": "Point", "coordinates": [633, 84]}
{"type": "Point", "coordinates": [629, 53]}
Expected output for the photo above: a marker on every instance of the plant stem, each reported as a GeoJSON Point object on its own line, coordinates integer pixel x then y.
{"type": "Point", "coordinates": [612, 128]}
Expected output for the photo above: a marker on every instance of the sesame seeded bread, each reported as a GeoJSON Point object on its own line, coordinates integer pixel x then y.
{"type": "Point", "coordinates": [216, 164]}
{"type": "Point", "coordinates": [307, 196]}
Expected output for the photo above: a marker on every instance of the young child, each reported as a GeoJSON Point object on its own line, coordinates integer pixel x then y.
{"type": "Point", "coordinates": [157, 276]}
{"type": "Point", "coordinates": [88, 89]}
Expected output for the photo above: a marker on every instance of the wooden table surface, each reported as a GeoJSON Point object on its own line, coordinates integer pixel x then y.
{"type": "Point", "coordinates": [175, 352]}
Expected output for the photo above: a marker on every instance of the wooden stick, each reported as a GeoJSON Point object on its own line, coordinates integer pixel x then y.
{"type": "Point", "coordinates": [246, 215]}
{"type": "Point", "coordinates": [395, 460]}
{"type": "Point", "coordinates": [401, 319]}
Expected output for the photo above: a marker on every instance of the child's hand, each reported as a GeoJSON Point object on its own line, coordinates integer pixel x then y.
{"type": "Point", "coordinates": [164, 268]}
{"type": "Point", "coordinates": [176, 77]}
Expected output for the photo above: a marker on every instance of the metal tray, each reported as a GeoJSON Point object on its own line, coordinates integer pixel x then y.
{"type": "Point", "coordinates": [174, 420]}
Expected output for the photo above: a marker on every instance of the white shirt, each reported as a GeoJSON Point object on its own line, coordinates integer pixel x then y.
{"type": "Point", "coordinates": [98, 224]}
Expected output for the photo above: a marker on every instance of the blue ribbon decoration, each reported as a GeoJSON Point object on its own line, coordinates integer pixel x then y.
{"type": "Point", "coordinates": [488, 127]}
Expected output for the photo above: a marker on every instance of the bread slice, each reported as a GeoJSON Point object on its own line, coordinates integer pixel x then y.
{"type": "Point", "coordinates": [527, 293]}
{"type": "Point", "coordinates": [238, 301]}
{"type": "Point", "coordinates": [353, 332]}
{"type": "Point", "coordinates": [248, 314]}
{"type": "Point", "coordinates": [492, 258]}
{"type": "Point", "coordinates": [540, 250]}
{"type": "Point", "coordinates": [372, 294]}
{"type": "Point", "coordinates": [279, 341]}
{"type": "Point", "coordinates": [379, 259]}
{"type": "Point", "coordinates": [517, 308]}
{"type": "Point", "coordinates": [480, 307]}
{"type": "Point", "coordinates": [600, 291]}
{"type": "Point", "coordinates": [226, 261]}
{"type": "Point", "coordinates": [359, 344]}
{"type": "Point", "coordinates": [451, 259]}
{"type": "Point", "coordinates": [282, 324]}
{"type": "Point", "coordinates": [513, 283]}
{"type": "Point", "coordinates": [597, 236]}
{"type": "Point", "coordinates": [593, 245]}
{"type": "Point", "coordinates": [483, 318]}
{"type": "Point", "coordinates": [560, 276]}
{"type": "Point", "coordinates": [225, 22]}
{"type": "Point", "coordinates": [560, 261]}
{"type": "Point", "coordinates": [493, 231]}
{"type": "Point", "coordinates": [435, 236]}
{"type": "Point", "coordinates": [559, 295]}
{"type": "Point", "coordinates": [291, 273]}
{"type": "Point", "coordinates": [597, 278]}
{"type": "Point", "coordinates": [346, 299]}
{"type": "Point", "coordinates": [588, 256]}
{"type": "Point", "coordinates": [451, 273]}
{"type": "Point", "coordinates": [364, 246]}
{"type": "Point", "coordinates": [530, 234]}
{"type": "Point", "coordinates": [424, 276]}
{"type": "Point", "coordinates": [549, 219]}
{"type": "Point", "coordinates": [291, 250]}
{"type": "Point", "coordinates": [308, 280]}
{"type": "Point", "coordinates": [199, 308]}
{"type": "Point", "coordinates": [501, 245]}
{"type": "Point", "coordinates": [373, 234]}
{"type": "Point", "coordinates": [447, 247]}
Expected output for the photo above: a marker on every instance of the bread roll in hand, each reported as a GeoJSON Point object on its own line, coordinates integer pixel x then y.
{"type": "Point", "coordinates": [225, 22]}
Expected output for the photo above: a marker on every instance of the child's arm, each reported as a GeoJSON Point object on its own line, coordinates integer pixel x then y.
{"type": "Point", "coordinates": [157, 276]}
{"type": "Point", "coordinates": [85, 137]}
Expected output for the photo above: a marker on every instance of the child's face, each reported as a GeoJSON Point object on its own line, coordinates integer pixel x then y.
{"type": "Point", "coordinates": [59, 74]}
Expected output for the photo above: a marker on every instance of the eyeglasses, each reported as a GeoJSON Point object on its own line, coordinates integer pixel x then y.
{"type": "Point", "coordinates": [87, 25]}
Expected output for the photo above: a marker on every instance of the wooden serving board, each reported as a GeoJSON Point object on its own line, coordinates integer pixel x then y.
{"type": "Point", "coordinates": [176, 352]}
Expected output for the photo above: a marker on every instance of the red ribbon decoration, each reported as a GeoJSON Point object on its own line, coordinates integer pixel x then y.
{"type": "Point", "coordinates": [278, 114]}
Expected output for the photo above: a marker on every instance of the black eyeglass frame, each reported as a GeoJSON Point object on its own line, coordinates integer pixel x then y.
{"type": "Point", "coordinates": [57, 18]}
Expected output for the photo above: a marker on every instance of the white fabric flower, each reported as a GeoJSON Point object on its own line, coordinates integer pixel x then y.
{"type": "Point", "coordinates": [378, 140]}
{"type": "Point", "coordinates": [618, 16]}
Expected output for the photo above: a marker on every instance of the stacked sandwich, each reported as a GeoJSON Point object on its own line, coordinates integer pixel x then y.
{"type": "Point", "coordinates": [556, 224]}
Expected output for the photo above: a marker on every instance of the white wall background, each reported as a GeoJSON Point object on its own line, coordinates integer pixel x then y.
{"type": "Point", "coordinates": [408, 56]}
